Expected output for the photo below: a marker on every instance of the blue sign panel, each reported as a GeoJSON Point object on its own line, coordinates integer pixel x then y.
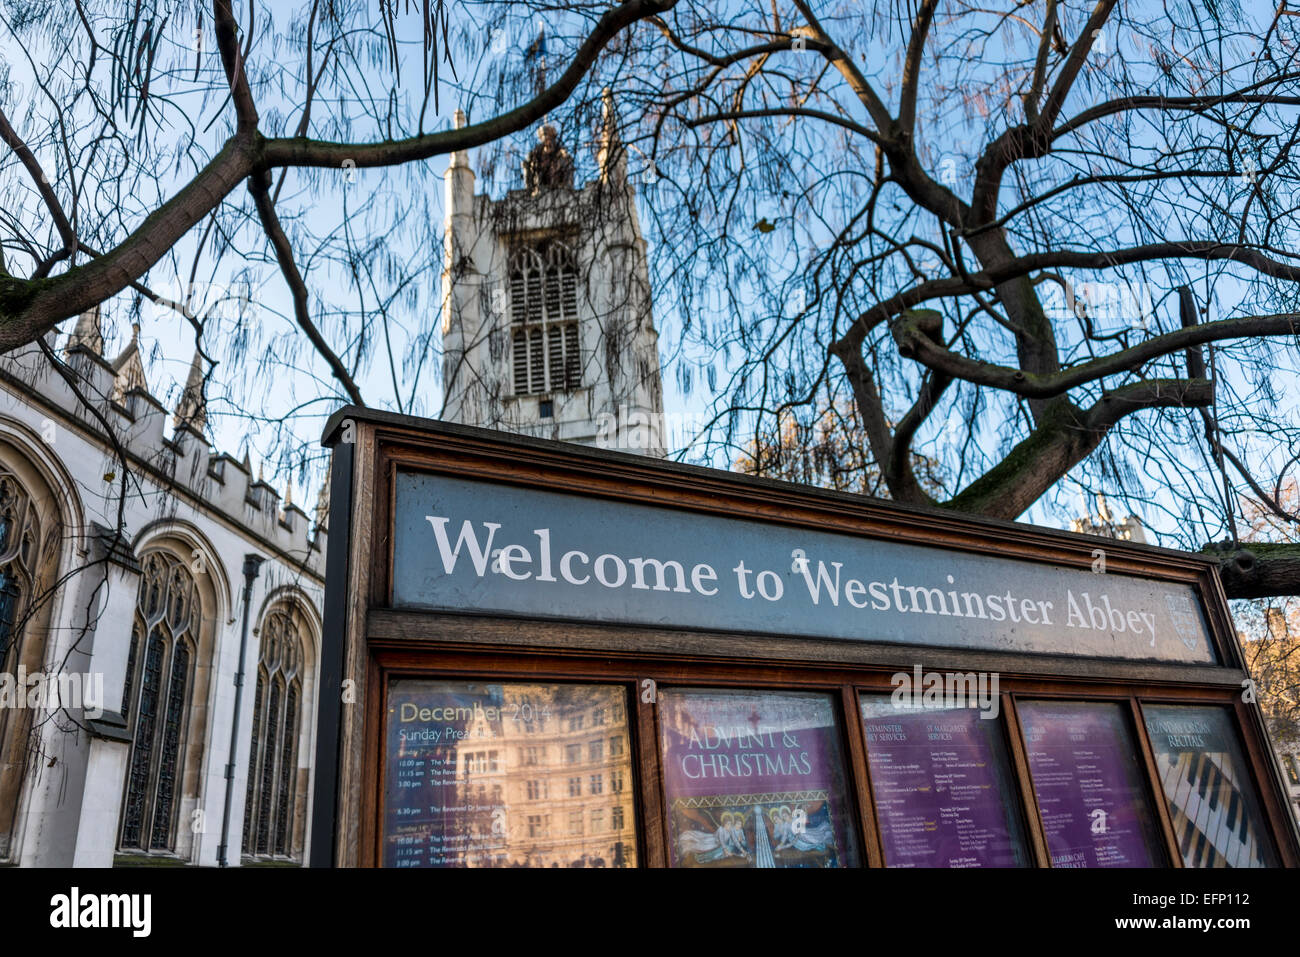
{"type": "Point", "coordinates": [477, 546]}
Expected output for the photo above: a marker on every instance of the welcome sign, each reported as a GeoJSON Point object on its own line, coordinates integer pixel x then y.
{"type": "Point", "coordinates": [467, 545]}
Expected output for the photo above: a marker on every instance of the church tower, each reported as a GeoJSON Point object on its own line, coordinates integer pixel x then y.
{"type": "Point", "coordinates": [546, 317]}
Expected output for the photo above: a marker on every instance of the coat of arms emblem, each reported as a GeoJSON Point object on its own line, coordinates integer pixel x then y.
{"type": "Point", "coordinates": [1185, 620]}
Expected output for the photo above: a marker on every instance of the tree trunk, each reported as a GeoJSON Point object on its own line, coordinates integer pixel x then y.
{"type": "Point", "coordinates": [1258, 570]}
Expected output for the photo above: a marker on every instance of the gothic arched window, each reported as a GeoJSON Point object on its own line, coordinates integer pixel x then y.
{"type": "Point", "coordinates": [159, 676]}
{"type": "Point", "coordinates": [23, 553]}
{"type": "Point", "coordinates": [270, 798]}
{"type": "Point", "coordinates": [20, 532]}
{"type": "Point", "coordinates": [544, 318]}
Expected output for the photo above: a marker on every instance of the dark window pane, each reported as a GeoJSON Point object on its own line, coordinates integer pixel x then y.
{"type": "Point", "coordinates": [533, 309]}
{"type": "Point", "coordinates": [1205, 817]}
{"type": "Point", "coordinates": [555, 358]}
{"type": "Point", "coordinates": [572, 361]}
{"type": "Point", "coordinates": [569, 281]}
{"type": "Point", "coordinates": [268, 771]}
{"type": "Point", "coordinates": [137, 638]}
{"type": "Point", "coordinates": [137, 782]}
{"type": "Point", "coordinates": [253, 750]}
{"type": "Point", "coordinates": [10, 593]}
{"type": "Point", "coordinates": [520, 356]}
{"type": "Point", "coordinates": [287, 773]}
{"type": "Point", "coordinates": [552, 294]}
{"type": "Point", "coordinates": [536, 360]}
{"type": "Point", "coordinates": [518, 305]}
{"type": "Point", "coordinates": [169, 754]}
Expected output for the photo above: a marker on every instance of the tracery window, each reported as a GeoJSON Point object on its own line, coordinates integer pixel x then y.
{"type": "Point", "coordinates": [20, 534]}
{"type": "Point", "coordinates": [544, 318]}
{"type": "Point", "coordinates": [269, 800]}
{"type": "Point", "coordinates": [159, 682]}
{"type": "Point", "coordinates": [25, 550]}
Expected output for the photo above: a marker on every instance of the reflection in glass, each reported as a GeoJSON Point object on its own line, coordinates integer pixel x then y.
{"type": "Point", "coordinates": [507, 775]}
{"type": "Point", "coordinates": [1089, 785]}
{"type": "Point", "coordinates": [942, 786]}
{"type": "Point", "coordinates": [1215, 813]}
{"type": "Point", "coordinates": [754, 779]}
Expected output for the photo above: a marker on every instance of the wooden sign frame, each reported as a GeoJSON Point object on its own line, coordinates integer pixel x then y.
{"type": "Point", "coordinates": [367, 642]}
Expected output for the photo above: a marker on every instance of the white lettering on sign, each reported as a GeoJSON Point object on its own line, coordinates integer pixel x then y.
{"type": "Point", "coordinates": [824, 581]}
{"type": "Point", "coordinates": [478, 554]}
{"type": "Point", "coordinates": [461, 543]}
{"type": "Point", "coordinates": [611, 570]}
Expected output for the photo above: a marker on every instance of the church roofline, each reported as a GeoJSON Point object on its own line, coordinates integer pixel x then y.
{"type": "Point", "coordinates": [186, 427]}
{"type": "Point", "coordinates": [89, 353]}
{"type": "Point", "coordinates": [182, 462]}
{"type": "Point", "coordinates": [227, 457]}
{"type": "Point", "coordinates": [145, 395]}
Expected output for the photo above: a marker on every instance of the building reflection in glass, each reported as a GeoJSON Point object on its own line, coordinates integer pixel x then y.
{"type": "Point", "coordinates": [508, 775]}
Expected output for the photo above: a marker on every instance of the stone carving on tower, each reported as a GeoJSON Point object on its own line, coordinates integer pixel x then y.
{"type": "Point", "coordinates": [549, 164]}
{"type": "Point", "coordinates": [546, 311]}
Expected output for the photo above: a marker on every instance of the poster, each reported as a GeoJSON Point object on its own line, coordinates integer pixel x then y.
{"type": "Point", "coordinates": [942, 787]}
{"type": "Point", "coordinates": [507, 775]}
{"type": "Point", "coordinates": [1089, 785]}
{"type": "Point", "coordinates": [1212, 802]}
{"type": "Point", "coordinates": [754, 779]}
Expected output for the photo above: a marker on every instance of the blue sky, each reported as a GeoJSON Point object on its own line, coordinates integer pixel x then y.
{"type": "Point", "coordinates": [268, 372]}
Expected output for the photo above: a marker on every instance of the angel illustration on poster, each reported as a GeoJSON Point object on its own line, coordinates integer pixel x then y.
{"type": "Point", "coordinates": [727, 841]}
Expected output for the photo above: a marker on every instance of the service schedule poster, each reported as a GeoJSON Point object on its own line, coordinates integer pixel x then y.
{"type": "Point", "coordinates": [507, 775]}
{"type": "Point", "coordinates": [431, 818]}
{"type": "Point", "coordinates": [754, 779]}
{"type": "Point", "coordinates": [1084, 765]}
{"type": "Point", "coordinates": [942, 787]}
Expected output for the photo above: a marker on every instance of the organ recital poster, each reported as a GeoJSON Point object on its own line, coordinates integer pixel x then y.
{"type": "Point", "coordinates": [1206, 779]}
{"type": "Point", "coordinates": [1084, 763]}
{"type": "Point", "coordinates": [942, 786]}
{"type": "Point", "coordinates": [754, 779]}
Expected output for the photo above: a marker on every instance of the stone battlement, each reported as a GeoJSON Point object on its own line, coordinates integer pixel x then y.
{"type": "Point", "coordinates": [123, 413]}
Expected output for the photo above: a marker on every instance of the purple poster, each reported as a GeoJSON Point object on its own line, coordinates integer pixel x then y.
{"type": "Point", "coordinates": [754, 779]}
{"type": "Point", "coordinates": [1089, 786]}
{"type": "Point", "coordinates": [942, 787]}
